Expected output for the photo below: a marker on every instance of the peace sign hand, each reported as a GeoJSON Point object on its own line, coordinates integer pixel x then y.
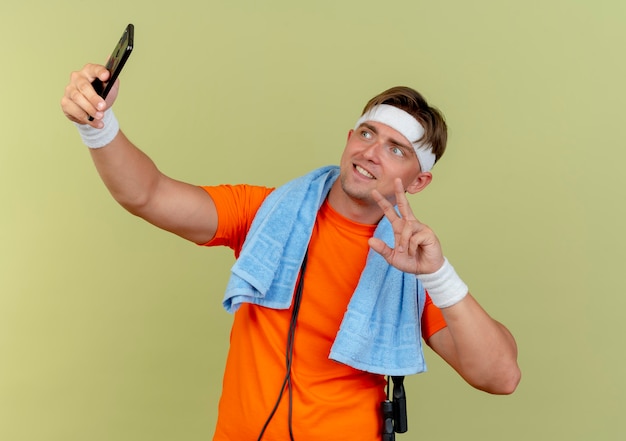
{"type": "Point", "coordinates": [417, 249]}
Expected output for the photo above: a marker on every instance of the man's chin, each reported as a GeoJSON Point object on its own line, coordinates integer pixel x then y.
{"type": "Point", "coordinates": [357, 192]}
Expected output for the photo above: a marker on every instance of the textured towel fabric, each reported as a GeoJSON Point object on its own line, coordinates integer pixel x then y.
{"type": "Point", "coordinates": [380, 331]}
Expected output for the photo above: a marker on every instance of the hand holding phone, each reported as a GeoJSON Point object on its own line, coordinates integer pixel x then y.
{"type": "Point", "coordinates": [116, 61]}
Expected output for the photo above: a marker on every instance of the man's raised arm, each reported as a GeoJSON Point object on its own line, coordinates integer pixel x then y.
{"type": "Point", "coordinates": [130, 175]}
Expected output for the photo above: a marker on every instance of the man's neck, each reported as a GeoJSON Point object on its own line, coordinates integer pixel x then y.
{"type": "Point", "coordinates": [354, 209]}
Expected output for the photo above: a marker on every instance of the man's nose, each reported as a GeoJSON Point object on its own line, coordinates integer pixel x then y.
{"type": "Point", "coordinates": [373, 151]}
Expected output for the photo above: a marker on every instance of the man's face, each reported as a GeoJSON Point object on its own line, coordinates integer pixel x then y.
{"type": "Point", "coordinates": [375, 155]}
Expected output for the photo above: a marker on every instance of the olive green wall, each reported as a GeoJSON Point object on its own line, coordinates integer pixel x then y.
{"type": "Point", "coordinates": [113, 330]}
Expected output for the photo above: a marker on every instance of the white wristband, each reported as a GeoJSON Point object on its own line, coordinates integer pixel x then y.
{"type": "Point", "coordinates": [96, 138]}
{"type": "Point", "coordinates": [444, 286]}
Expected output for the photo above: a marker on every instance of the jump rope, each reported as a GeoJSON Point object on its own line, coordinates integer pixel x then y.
{"type": "Point", "coordinates": [393, 409]}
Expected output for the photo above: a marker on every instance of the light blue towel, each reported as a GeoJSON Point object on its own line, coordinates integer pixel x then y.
{"type": "Point", "coordinates": [380, 331]}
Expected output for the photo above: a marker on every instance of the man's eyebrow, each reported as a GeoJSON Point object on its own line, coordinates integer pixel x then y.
{"type": "Point", "coordinates": [392, 140]}
{"type": "Point", "coordinates": [370, 127]}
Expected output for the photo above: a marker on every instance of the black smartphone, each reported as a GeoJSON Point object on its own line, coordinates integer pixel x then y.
{"type": "Point", "coordinates": [116, 61]}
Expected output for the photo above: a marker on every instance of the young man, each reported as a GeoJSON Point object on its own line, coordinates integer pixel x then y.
{"type": "Point", "coordinates": [330, 282]}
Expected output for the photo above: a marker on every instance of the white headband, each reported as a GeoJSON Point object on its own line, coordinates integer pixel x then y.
{"type": "Point", "coordinates": [408, 126]}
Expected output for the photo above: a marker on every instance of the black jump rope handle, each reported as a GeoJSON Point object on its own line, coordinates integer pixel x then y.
{"type": "Point", "coordinates": [400, 423]}
{"type": "Point", "coordinates": [387, 411]}
{"type": "Point", "coordinates": [394, 412]}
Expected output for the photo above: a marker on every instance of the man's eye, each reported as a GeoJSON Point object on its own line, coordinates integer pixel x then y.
{"type": "Point", "coordinates": [397, 151]}
{"type": "Point", "coordinates": [366, 134]}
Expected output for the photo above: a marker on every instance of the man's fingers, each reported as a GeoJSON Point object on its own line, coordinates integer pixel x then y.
{"type": "Point", "coordinates": [380, 247]}
{"type": "Point", "coordinates": [93, 71]}
{"type": "Point", "coordinates": [385, 205]}
{"type": "Point", "coordinates": [401, 200]}
{"type": "Point", "coordinates": [80, 102]}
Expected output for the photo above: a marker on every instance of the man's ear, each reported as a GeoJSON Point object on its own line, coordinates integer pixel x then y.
{"type": "Point", "coordinates": [421, 182]}
{"type": "Point", "coordinates": [350, 132]}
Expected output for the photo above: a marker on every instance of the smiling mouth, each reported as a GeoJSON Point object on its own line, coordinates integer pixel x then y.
{"type": "Point", "coordinates": [364, 172]}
